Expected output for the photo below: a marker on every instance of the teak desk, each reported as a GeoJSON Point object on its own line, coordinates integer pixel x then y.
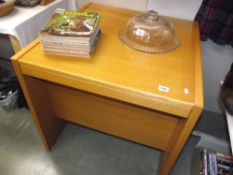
{"type": "Point", "coordinates": [117, 90]}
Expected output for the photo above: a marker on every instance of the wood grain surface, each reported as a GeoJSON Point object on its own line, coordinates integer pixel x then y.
{"type": "Point", "coordinates": [121, 72]}
{"type": "Point", "coordinates": [116, 91]}
{"type": "Point", "coordinates": [148, 127]}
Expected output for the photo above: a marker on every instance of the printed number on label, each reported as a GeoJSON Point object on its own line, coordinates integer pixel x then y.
{"type": "Point", "coordinates": [140, 32]}
{"type": "Point", "coordinates": [164, 89]}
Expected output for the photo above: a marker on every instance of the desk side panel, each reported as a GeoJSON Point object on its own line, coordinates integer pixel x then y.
{"type": "Point", "coordinates": [35, 92]}
{"type": "Point", "coordinates": [44, 117]}
{"type": "Point", "coordinates": [121, 119]}
{"type": "Point", "coordinates": [185, 127]}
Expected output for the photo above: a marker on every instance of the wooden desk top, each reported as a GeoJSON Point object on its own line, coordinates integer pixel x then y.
{"type": "Point", "coordinates": [119, 72]}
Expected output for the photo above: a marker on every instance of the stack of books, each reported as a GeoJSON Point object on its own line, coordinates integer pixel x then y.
{"type": "Point", "coordinates": [71, 33]}
{"type": "Point", "coordinates": [214, 163]}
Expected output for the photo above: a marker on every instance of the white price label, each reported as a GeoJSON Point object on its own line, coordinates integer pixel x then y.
{"type": "Point", "coordinates": [163, 88]}
{"type": "Point", "coordinates": [140, 32]}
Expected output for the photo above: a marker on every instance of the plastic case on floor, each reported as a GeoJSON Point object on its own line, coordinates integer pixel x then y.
{"type": "Point", "coordinates": [8, 86]}
{"type": "Point", "coordinates": [10, 101]}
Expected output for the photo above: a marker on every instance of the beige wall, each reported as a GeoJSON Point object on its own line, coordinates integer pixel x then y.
{"type": "Point", "coordinates": [183, 9]}
{"type": "Point", "coordinates": [139, 5]}
{"type": "Point", "coordinates": [81, 3]}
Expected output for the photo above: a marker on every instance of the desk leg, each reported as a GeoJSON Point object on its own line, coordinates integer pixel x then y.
{"type": "Point", "coordinates": [35, 91]}
{"type": "Point", "coordinates": [183, 130]}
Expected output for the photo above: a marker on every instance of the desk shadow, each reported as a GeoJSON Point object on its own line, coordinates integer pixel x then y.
{"type": "Point", "coordinates": [84, 151]}
{"type": "Point", "coordinates": [78, 151]}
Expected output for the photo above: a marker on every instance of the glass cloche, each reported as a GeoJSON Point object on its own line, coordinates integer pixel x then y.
{"type": "Point", "coordinates": [149, 32]}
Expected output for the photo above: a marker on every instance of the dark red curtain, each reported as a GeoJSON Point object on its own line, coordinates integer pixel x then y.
{"type": "Point", "coordinates": [215, 18]}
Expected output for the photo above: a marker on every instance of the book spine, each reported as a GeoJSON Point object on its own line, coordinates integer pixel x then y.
{"type": "Point", "coordinates": [210, 167]}
{"type": "Point", "coordinates": [213, 165]}
{"type": "Point", "coordinates": [200, 161]}
{"type": "Point", "coordinates": [204, 168]}
{"type": "Point", "coordinates": [96, 22]}
{"type": "Point", "coordinates": [224, 157]}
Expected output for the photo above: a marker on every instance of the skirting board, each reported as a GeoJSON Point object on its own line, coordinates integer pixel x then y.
{"type": "Point", "coordinates": [212, 142]}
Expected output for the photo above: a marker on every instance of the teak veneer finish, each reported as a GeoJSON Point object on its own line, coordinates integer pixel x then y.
{"type": "Point", "coordinates": [117, 90]}
{"type": "Point", "coordinates": [45, 2]}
